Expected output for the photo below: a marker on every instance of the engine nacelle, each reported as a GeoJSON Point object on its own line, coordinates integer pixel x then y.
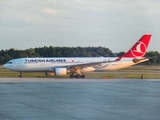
{"type": "Point", "coordinates": [60, 71]}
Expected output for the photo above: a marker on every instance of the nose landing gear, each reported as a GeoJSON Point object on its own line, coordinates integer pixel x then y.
{"type": "Point", "coordinates": [20, 75]}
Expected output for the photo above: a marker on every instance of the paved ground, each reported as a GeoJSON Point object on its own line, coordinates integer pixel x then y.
{"type": "Point", "coordinates": [79, 99]}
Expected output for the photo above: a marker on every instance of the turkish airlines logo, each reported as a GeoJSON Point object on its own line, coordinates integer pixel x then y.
{"type": "Point", "coordinates": [139, 49]}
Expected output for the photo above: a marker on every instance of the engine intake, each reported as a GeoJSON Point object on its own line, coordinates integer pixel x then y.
{"type": "Point", "coordinates": [60, 71]}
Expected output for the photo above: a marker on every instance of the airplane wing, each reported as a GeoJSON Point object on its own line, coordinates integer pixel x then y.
{"type": "Point", "coordinates": [84, 65]}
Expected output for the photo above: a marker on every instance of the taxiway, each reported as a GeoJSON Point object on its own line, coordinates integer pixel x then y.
{"type": "Point", "coordinates": [79, 99]}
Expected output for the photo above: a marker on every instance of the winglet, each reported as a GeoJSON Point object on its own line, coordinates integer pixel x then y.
{"type": "Point", "coordinates": [139, 48]}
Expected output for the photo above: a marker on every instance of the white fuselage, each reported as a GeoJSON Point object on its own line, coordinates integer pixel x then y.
{"type": "Point", "coordinates": [48, 64]}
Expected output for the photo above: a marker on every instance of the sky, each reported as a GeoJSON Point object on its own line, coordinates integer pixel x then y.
{"type": "Point", "coordinates": [114, 24]}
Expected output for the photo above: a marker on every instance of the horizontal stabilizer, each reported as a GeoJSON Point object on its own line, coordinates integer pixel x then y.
{"type": "Point", "coordinates": [136, 60]}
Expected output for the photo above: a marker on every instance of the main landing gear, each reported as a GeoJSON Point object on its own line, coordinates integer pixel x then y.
{"type": "Point", "coordinates": [76, 73]}
{"type": "Point", "coordinates": [77, 76]}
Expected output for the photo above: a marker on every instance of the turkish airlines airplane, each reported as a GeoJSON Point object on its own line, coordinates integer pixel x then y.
{"type": "Point", "coordinates": [75, 66]}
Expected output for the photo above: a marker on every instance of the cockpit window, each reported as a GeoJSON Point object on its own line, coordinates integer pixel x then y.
{"type": "Point", "coordinates": [9, 62]}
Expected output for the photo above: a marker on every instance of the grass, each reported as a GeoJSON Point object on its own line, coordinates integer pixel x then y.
{"type": "Point", "coordinates": [134, 72]}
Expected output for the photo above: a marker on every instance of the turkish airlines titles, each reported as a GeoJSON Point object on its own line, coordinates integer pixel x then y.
{"type": "Point", "coordinates": [45, 60]}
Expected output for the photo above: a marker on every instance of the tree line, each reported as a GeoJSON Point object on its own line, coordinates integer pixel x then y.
{"type": "Point", "coordinates": [6, 55]}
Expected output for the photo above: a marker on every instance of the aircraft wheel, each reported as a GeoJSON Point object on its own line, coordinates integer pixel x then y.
{"type": "Point", "coordinates": [78, 76]}
{"type": "Point", "coordinates": [71, 76]}
{"type": "Point", "coordinates": [82, 76]}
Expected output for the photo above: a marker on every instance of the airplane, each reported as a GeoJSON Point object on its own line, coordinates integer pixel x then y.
{"type": "Point", "coordinates": [75, 66]}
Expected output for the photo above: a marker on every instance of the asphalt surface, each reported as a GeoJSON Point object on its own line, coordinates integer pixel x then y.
{"type": "Point", "coordinates": [79, 99]}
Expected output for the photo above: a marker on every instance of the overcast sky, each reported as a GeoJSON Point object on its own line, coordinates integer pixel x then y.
{"type": "Point", "coordinates": [115, 24]}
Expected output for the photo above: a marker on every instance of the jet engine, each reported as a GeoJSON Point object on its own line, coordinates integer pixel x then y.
{"type": "Point", "coordinates": [60, 71]}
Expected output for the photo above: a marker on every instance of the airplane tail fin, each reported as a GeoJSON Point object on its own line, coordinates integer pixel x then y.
{"type": "Point", "coordinates": [139, 48]}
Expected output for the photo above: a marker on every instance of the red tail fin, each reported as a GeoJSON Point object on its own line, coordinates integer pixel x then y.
{"type": "Point", "coordinates": [139, 48]}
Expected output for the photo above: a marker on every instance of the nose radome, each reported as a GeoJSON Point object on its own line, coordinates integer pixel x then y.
{"type": "Point", "coordinates": [4, 66]}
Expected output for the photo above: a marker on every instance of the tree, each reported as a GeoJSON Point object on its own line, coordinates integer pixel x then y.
{"type": "Point", "coordinates": [6, 55]}
{"type": "Point", "coordinates": [154, 61]}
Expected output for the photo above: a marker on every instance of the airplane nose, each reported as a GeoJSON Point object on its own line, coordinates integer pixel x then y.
{"type": "Point", "coordinates": [4, 66]}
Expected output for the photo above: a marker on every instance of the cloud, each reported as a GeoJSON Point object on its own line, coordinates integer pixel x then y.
{"type": "Point", "coordinates": [51, 11]}
{"type": "Point", "coordinates": [60, 21]}
{"type": "Point", "coordinates": [40, 12]}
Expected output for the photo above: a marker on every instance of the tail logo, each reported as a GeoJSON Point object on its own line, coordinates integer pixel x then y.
{"type": "Point", "coordinates": [139, 49]}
